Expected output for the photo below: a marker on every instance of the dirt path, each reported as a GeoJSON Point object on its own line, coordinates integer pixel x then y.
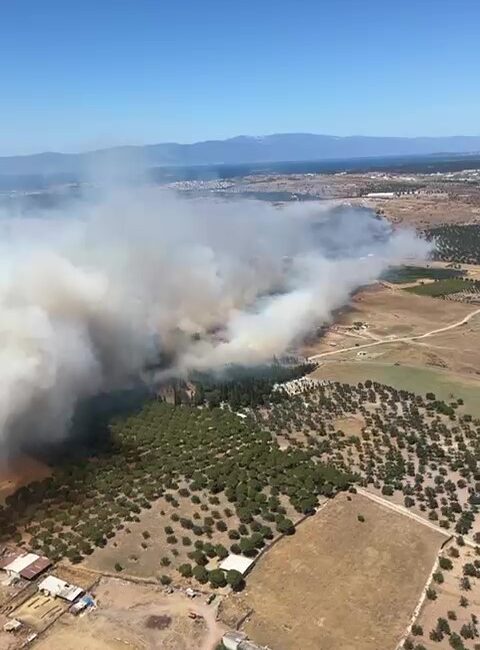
{"type": "Point", "coordinates": [394, 339]}
{"type": "Point", "coordinates": [412, 515]}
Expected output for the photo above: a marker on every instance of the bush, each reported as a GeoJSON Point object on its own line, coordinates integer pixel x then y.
{"type": "Point", "coordinates": [118, 566]}
{"type": "Point", "coordinates": [185, 570]}
{"type": "Point", "coordinates": [217, 578]}
{"type": "Point", "coordinates": [201, 574]}
{"type": "Point", "coordinates": [165, 580]}
{"type": "Point", "coordinates": [445, 563]}
{"type": "Point", "coordinates": [235, 580]}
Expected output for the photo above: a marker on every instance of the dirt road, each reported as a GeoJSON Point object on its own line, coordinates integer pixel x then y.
{"type": "Point", "coordinates": [394, 339]}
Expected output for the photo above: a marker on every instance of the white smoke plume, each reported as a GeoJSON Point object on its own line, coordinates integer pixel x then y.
{"type": "Point", "coordinates": [89, 299]}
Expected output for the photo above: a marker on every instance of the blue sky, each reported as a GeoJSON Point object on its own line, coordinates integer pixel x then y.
{"type": "Point", "coordinates": [81, 74]}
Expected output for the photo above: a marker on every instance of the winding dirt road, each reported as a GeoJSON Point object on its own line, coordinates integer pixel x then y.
{"type": "Point", "coordinates": [393, 339]}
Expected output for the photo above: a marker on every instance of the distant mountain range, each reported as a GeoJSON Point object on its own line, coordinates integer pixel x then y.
{"type": "Point", "coordinates": [283, 147]}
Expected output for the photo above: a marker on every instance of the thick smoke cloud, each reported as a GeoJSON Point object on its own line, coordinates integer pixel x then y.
{"type": "Point", "coordinates": [88, 300]}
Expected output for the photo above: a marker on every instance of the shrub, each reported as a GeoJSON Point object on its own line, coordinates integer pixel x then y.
{"type": "Point", "coordinates": [217, 578]}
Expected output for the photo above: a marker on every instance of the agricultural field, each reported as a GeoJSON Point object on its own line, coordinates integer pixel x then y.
{"type": "Point", "coordinates": [456, 243]}
{"type": "Point", "coordinates": [407, 274]}
{"type": "Point", "coordinates": [442, 288]}
{"type": "Point", "coordinates": [349, 579]}
{"type": "Point", "coordinates": [447, 386]}
{"type": "Point", "coordinates": [450, 613]}
{"type": "Point", "coordinates": [418, 451]}
{"type": "Point", "coordinates": [196, 460]}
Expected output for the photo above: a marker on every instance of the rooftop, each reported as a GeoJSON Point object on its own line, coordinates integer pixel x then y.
{"type": "Point", "coordinates": [236, 563]}
{"type": "Point", "coordinates": [57, 587]}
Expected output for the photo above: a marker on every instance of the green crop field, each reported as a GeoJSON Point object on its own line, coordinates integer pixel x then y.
{"type": "Point", "coordinates": [404, 274]}
{"type": "Point", "coordinates": [442, 288]}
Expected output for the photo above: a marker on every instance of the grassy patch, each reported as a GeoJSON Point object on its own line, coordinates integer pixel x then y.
{"type": "Point", "coordinates": [444, 287]}
{"type": "Point", "coordinates": [404, 274]}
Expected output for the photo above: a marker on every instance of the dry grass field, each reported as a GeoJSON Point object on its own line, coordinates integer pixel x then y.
{"type": "Point", "coordinates": [388, 311]}
{"type": "Point", "coordinates": [339, 584]}
{"type": "Point", "coordinates": [422, 211]}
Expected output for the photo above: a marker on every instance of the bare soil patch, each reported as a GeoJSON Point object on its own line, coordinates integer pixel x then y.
{"type": "Point", "coordinates": [135, 616]}
{"type": "Point", "coordinates": [339, 584]}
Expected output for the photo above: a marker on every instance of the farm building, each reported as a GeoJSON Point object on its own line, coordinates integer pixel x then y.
{"type": "Point", "coordinates": [237, 640]}
{"type": "Point", "coordinates": [232, 640]}
{"type": "Point", "coordinates": [236, 563]}
{"type": "Point", "coordinates": [7, 556]}
{"type": "Point", "coordinates": [55, 587]}
{"type": "Point", "coordinates": [27, 565]}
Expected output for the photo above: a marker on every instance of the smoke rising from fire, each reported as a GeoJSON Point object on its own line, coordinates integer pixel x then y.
{"type": "Point", "coordinates": [89, 299]}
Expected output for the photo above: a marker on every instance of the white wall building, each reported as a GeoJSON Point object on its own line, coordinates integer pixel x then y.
{"type": "Point", "coordinates": [56, 587]}
{"type": "Point", "coordinates": [236, 563]}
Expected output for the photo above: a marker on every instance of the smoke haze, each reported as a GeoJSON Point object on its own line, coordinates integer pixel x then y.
{"type": "Point", "coordinates": [130, 277]}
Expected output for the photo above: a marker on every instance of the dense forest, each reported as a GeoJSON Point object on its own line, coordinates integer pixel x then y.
{"type": "Point", "coordinates": [246, 387]}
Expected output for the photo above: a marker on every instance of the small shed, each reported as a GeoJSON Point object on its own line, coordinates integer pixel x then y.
{"type": "Point", "coordinates": [232, 640]}
{"type": "Point", "coordinates": [12, 626]}
{"type": "Point", "coordinates": [59, 588]}
{"type": "Point", "coordinates": [236, 563]}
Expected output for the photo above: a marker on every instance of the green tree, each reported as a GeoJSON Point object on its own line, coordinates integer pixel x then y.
{"type": "Point", "coordinates": [185, 570]}
{"type": "Point", "coordinates": [200, 573]}
{"type": "Point", "coordinates": [235, 580]}
{"type": "Point", "coordinates": [217, 578]}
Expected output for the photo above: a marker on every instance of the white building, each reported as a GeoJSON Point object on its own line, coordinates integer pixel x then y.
{"type": "Point", "coordinates": [20, 563]}
{"type": "Point", "coordinates": [236, 562]}
{"type": "Point", "coordinates": [231, 640]}
{"type": "Point", "coordinates": [55, 587]}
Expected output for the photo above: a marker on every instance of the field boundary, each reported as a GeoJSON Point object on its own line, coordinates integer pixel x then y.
{"type": "Point", "coordinates": [412, 515]}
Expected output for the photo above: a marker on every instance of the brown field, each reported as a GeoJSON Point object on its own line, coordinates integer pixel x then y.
{"type": "Point", "coordinates": [448, 598]}
{"type": "Point", "coordinates": [39, 611]}
{"type": "Point", "coordinates": [391, 312]}
{"type": "Point", "coordinates": [135, 616]}
{"type": "Point", "coordinates": [422, 211]}
{"type": "Point", "coordinates": [339, 584]}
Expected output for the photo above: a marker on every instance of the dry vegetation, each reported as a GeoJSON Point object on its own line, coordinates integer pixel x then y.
{"type": "Point", "coordinates": [340, 582]}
